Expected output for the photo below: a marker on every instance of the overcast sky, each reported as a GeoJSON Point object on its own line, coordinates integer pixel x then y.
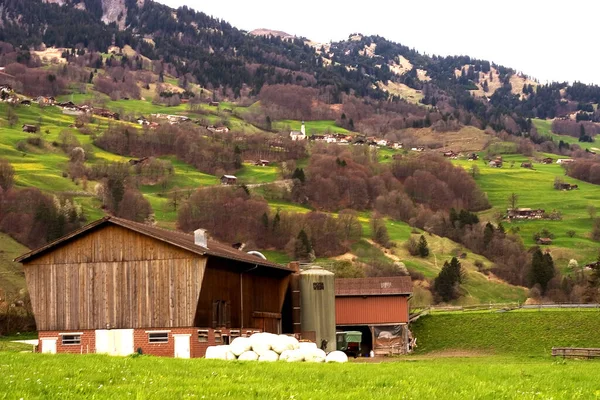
{"type": "Point", "coordinates": [548, 40]}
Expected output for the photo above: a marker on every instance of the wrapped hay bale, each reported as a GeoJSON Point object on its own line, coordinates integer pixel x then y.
{"type": "Point", "coordinates": [305, 346]}
{"type": "Point", "coordinates": [336, 356]}
{"type": "Point", "coordinates": [269, 355]}
{"type": "Point", "coordinates": [217, 352]}
{"type": "Point", "coordinates": [248, 356]}
{"type": "Point", "coordinates": [230, 356]}
{"type": "Point", "coordinates": [315, 355]}
{"type": "Point", "coordinates": [293, 355]}
{"type": "Point", "coordinates": [240, 345]}
{"type": "Point", "coordinates": [282, 343]}
{"type": "Point", "coordinates": [261, 342]}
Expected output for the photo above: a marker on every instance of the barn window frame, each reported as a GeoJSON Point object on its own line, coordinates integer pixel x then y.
{"type": "Point", "coordinates": [71, 339]}
{"type": "Point", "coordinates": [218, 336]}
{"type": "Point", "coordinates": [157, 337]}
{"type": "Point", "coordinates": [203, 335]}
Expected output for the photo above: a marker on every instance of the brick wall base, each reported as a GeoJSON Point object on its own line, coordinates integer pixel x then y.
{"type": "Point", "coordinates": [198, 343]}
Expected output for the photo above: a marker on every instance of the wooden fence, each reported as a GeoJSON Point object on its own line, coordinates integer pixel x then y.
{"type": "Point", "coordinates": [575, 352]}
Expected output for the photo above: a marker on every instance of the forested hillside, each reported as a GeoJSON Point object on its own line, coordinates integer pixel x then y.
{"type": "Point", "coordinates": [363, 155]}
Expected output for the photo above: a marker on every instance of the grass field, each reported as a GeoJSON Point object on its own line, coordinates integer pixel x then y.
{"type": "Point", "coordinates": [312, 127]}
{"type": "Point", "coordinates": [34, 376]}
{"type": "Point", "coordinates": [11, 273]}
{"type": "Point", "coordinates": [544, 128]}
{"type": "Point", "coordinates": [520, 332]}
{"type": "Point", "coordinates": [535, 190]}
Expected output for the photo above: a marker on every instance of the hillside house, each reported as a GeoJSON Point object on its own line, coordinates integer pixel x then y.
{"type": "Point", "coordinates": [214, 104]}
{"type": "Point", "coordinates": [527, 165]}
{"type": "Point", "coordinates": [547, 160]}
{"type": "Point", "coordinates": [450, 154]}
{"type": "Point", "coordinates": [45, 101]}
{"type": "Point", "coordinates": [218, 129]}
{"type": "Point", "coordinates": [564, 161]}
{"type": "Point", "coordinates": [473, 157]}
{"type": "Point", "coordinates": [396, 145]}
{"type": "Point", "coordinates": [261, 163]}
{"type": "Point", "coordinates": [377, 307]}
{"type": "Point", "coordinates": [419, 149]}
{"type": "Point", "coordinates": [382, 142]}
{"type": "Point", "coordinates": [495, 164]}
{"type": "Point", "coordinates": [106, 113]}
{"type": "Point", "coordinates": [524, 213]}
{"type": "Point", "coordinates": [119, 287]}
{"type": "Point", "coordinates": [544, 241]}
{"type": "Point", "coordinates": [143, 121]}
{"type": "Point", "coordinates": [565, 186]}
{"type": "Point", "coordinates": [228, 180]}
{"type": "Point", "coordinates": [30, 128]}
{"type": "Point", "coordinates": [25, 102]}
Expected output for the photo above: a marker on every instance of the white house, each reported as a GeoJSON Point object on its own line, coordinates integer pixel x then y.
{"type": "Point", "coordinates": [299, 135]}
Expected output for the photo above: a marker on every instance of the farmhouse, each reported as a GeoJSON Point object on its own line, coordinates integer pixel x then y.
{"type": "Point", "coordinates": [450, 154]}
{"type": "Point", "coordinates": [544, 241]}
{"type": "Point", "coordinates": [564, 161]}
{"type": "Point", "coordinates": [228, 180]}
{"type": "Point", "coordinates": [106, 113]}
{"type": "Point", "coordinates": [547, 160]}
{"type": "Point", "coordinates": [119, 287]}
{"type": "Point", "coordinates": [377, 307]}
{"type": "Point", "coordinates": [527, 165]}
{"type": "Point", "coordinates": [473, 157]}
{"type": "Point", "coordinates": [524, 213]}
{"type": "Point", "coordinates": [262, 163]}
{"type": "Point", "coordinates": [565, 186]}
{"type": "Point", "coordinates": [495, 164]}
{"type": "Point", "coordinates": [30, 128]}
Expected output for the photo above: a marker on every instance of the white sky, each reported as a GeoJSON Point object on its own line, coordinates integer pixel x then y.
{"type": "Point", "coordinates": [548, 40]}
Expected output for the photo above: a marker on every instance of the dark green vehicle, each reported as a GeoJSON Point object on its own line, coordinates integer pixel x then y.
{"type": "Point", "coordinates": [349, 342]}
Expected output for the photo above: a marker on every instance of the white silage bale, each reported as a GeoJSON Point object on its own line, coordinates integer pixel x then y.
{"type": "Point", "coordinates": [217, 352]}
{"type": "Point", "coordinates": [336, 356]}
{"type": "Point", "coordinates": [230, 356]}
{"type": "Point", "coordinates": [261, 343]}
{"type": "Point", "coordinates": [248, 356]}
{"type": "Point", "coordinates": [269, 355]}
{"type": "Point", "coordinates": [316, 355]}
{"type": "Point", "coordinates": [294, 355]}
{"type": "Point", "coordinates": [294, 342]}
{"type": "Point", "coordinates": [240, 345]}
{"type": "Point", "coordinates": [285, 354]}
{"type": "Point", "coordinates": [281, 343]}
{"type": "Point", "coordinates": [305, 346]}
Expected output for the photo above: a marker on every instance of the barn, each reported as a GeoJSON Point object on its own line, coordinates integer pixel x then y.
{"type": "Point", "coordinates": [377, 307]}
{"type": "Point", "coordinates": [119, 287]}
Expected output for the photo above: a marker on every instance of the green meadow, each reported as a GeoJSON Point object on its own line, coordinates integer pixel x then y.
{"type": "Point", "coordinates": [534, 189]}
{"type": "Point", "coordinates": [475, 355]}
{"type": "Point", "coordinates": [544, 128]}
{"type": "Point", "coordinates": [312, 127]}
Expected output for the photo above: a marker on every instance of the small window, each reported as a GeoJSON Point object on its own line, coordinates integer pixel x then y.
{"type": "Point", "coordinates": [218, 337]}
{"type": "Point", "coordinates": [234, 333]}
{"type": "Point", "coordinates": [203, 336]}
{"type": "Point", "coordinates": [158, 337]}
{"type": "Point", "coordinates": [71, 339]}
{"type": "Point", "coordinates": [248, 333]}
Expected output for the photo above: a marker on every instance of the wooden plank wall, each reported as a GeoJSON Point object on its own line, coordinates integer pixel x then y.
{"type": "Point", "coordinates": [118, 278]}
{"type": "Point", "coordinates": [262, 293]}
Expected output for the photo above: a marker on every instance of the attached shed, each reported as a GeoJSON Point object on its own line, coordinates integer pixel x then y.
{"type": "Point", "coordinates": [378, 307]}
{"type": "Point", "coordinates": [119, 287]}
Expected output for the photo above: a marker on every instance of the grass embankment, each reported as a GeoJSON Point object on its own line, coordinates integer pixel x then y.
{"type": "Point", "coordinates": [544, 128]}
{"type": "Point", "coordinates": [11, 273]}
{"type": "Point", "coordinates": [92, 376]}
{"type": "Point", "coordinates": [519, 332]}
{"type": "Point", "coordinates": [535, 190]}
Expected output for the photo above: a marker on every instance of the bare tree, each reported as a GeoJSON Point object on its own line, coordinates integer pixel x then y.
{"type": "Point", "coordinates": [513, 199]}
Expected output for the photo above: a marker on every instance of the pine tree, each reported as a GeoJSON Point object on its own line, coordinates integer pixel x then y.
{"type": "Point", "coordinates": [542, 269]}
{"type": "Point", "coordinates": [303, 249]}
{"type": "Point", "coordinates": [423, 247]}
{"type": "Point", "coordinates": [446, 285]}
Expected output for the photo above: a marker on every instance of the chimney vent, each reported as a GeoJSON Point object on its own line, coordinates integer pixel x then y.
{"type": "Point", "coordinates": [200, 238]}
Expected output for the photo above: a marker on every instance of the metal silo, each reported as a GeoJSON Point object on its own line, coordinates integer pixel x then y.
{"type": "Point", "coordinates": [317, 292]}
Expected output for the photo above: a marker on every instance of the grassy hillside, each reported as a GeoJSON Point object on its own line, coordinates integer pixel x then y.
{"type": "Point", "coordinates": [520, 332]}
{"type": "Point", "coordinates": [11, 273]}
{"type": "Point", "coordinates": [544, 128]}
{"type": "Point", "coordinates": [104, 377]}
{"type": "Point", "coordinates": [535, 190]}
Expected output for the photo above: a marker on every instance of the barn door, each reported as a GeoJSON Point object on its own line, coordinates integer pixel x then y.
{"type": "Point", "coordinates": [49, 346]}
{"type": "Point", "coordinates": [182, 345]}
{"type": "Point", "coordinates": [104, 341]}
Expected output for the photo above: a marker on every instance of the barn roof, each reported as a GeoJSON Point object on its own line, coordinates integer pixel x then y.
{"type": "Point", "coordinates": [397, 285]}
{"type": "Point", "coordinates": [175, 238]}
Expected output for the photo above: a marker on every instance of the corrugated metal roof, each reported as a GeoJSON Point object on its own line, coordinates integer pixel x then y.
{"type": "Point", "coordinates": [373, 286]}
{"type": "Point", "coordinates": [176, 238]}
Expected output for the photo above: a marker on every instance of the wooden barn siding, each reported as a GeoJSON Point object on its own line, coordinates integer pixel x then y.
{"type": "Point", "coordinates": [350, 310]}
{"type": "Point", "coordinates": [117, 277]}
{"type": "Point", "coordinates": [262, 293]}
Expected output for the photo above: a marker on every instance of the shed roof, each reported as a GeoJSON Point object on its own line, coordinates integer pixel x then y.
{"type": "Point", "coordinates": [397, 285]}
{"type": "Point", "coordinates": [175, 238]}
